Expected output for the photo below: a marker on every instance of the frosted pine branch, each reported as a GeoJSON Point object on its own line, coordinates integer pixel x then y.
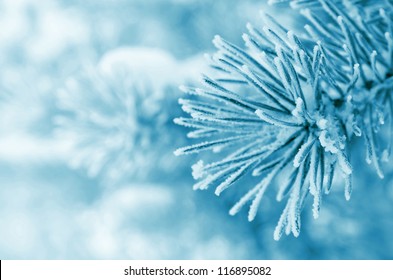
{"type": "Point", "coordinates": [287, 106]}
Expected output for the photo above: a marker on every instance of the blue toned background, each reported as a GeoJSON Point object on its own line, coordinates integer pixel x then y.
{"type": "Point", "coordinates": [88, 92]}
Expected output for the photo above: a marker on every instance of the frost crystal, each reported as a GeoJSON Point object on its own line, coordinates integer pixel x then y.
{"type": "Point", "coordinates": [290, 105]}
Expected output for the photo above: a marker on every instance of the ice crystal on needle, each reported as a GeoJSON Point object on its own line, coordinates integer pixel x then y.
{"type": "Point", "coordinates": [290, 105]}
{"type": "Point", "coordinates": [358, 41]}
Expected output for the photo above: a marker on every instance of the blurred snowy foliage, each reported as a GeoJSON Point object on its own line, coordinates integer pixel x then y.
{"type": "Point", "coordinates": [88, 91]}
{"type": "Point", "coordinates": [118, 117]}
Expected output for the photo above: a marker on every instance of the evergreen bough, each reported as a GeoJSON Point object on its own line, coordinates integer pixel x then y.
{"type": "Point", "coordinates": [290, 105]}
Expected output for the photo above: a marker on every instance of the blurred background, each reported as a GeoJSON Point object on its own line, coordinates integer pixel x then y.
{"type": "Point", "coordinates": [88, 91]}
